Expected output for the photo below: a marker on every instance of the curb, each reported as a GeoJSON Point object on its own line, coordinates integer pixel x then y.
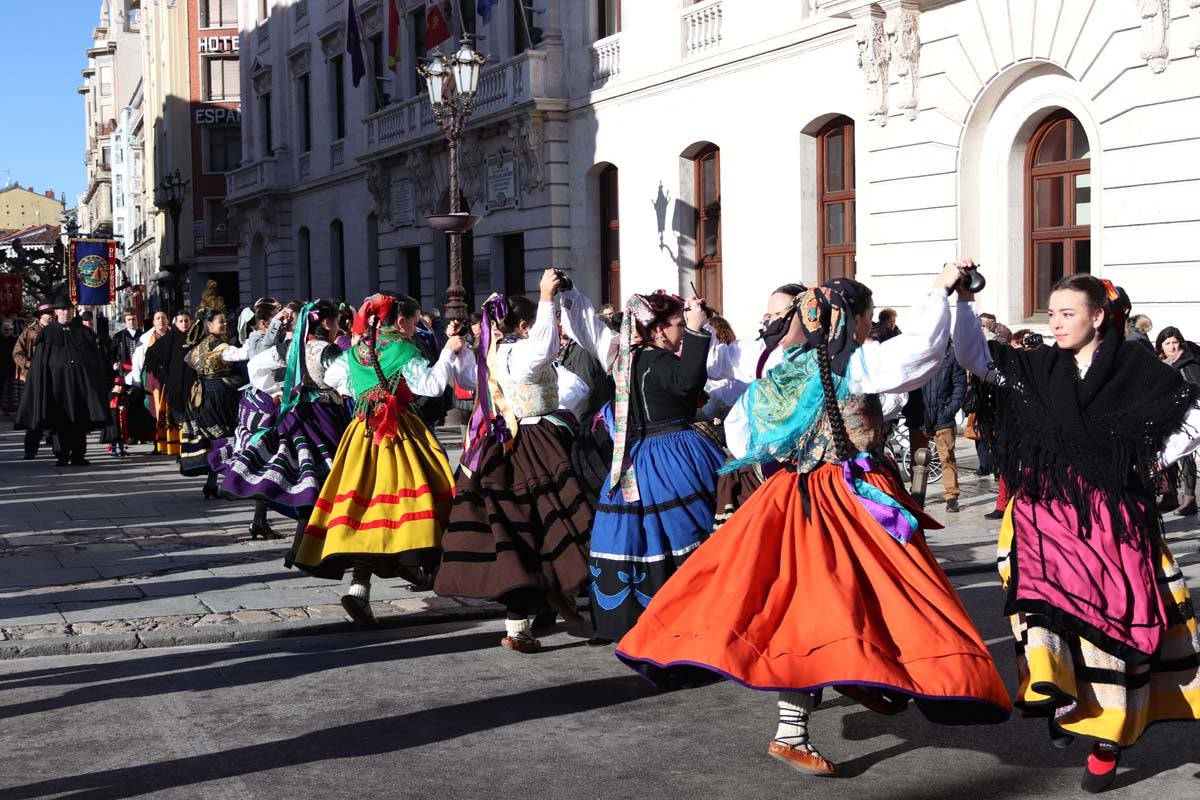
{"type": "Point", "coordinates": [223, 634]}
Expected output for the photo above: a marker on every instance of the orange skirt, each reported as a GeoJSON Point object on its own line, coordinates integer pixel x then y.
{"type": "Point", "coordinates": [780, 600]}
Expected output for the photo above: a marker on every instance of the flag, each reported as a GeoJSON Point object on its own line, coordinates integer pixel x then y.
{"type": "Point", "coordinates": [92, 266]}
{"type": "Point", "coordinates": [354, 45]}
{"type": "Point", "coordinates": [484, 9]}
{"type": "Point", "coordinates": [437, 23]}
{"type": "Point", "coordinates": [393, 34]}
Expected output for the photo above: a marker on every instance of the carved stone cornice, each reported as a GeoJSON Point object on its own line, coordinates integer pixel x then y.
{"type": "Point", "coordinates": [300, 59]}
{"type": "Point", "coordinates": [904, 36]}
{"type": "Point", "coordinates": [1156, 25]}
{"type": "Point", "coordinates": [874, 58]}
{"type": "Point", "coordinates": [370, 14]}
{"type": "Point", "coordinates": [260, 78]}
{"type": "Point", "coordinates": [333, 39]}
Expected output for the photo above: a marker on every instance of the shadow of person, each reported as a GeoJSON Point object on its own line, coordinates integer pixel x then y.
{"type": "Point", "coordinates": [391, 734]}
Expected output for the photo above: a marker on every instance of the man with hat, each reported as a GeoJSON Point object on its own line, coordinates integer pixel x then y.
{"type": "Point", "coordinates": [65, 388]}
{"type": "Point", "coordinates": [23, 356]}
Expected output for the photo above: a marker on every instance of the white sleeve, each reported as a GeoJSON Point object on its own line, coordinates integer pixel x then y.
{"type": "Point", "coordinates": [736, 361]}
{"type": "Point", "coordinates": [907, 361]}
{"type": "Point", "coordinates": [262, 369]}
{"type": "Point", "coordinates": [337, 376]}
{"type": "Point", "coordinates": [425, 379]}
{"type": "Point", "coordinates": [231, 353]}
{"type": "Point", "coordinates": [893, 404]}
{"type": "Point", "coordinates": [1185, 441]}
{"type": "Point", "coordinates": [737, 427]}
{"type": "Point", "coordinates": [970, 345]}
{"type": "Point", "coordinates": [572, 391]}
{"type": "Point", "coordinates": [581, 323]}
{"type": "Point", "coordinates": [528, 356]}
{"type": "Point", "coordinates": [465, 369]}
{"type": "Point", "coordinates": [134, 376]}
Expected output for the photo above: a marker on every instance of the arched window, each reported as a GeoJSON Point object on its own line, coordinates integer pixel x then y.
{"type": "Point", "coordinates": [304, 287]}
{"type": "Point", "coordinates": [1058, 202]}
{"type": "Point", "coordinates": [836, 200]}
{"type": "Point", "coordinates": [610, 237]}
{"type": "Point", "coordinates": [709, 282]}
{"type": "Point", "coordinates": [337, 259]}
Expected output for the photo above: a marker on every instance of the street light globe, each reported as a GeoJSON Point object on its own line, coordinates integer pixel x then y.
{"type": "Point", "coordinates": [466, 63]}
{"type": "Point", "coordinates": [435, 73]}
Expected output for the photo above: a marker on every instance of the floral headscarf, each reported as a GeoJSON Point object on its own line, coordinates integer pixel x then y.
{"type": "Point", "coordinates": [621, 473]}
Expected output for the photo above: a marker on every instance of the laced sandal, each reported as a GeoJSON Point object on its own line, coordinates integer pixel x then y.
{"type": "Point", "coordinates": [803, 758]}
{"type": "Point", "coordinates": [359, 610]}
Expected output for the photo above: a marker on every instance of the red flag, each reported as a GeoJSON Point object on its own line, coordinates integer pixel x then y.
{"type": "Point", "coordinates": [437, 23]}
{"type": "Point", "coordinates": [393, 35]}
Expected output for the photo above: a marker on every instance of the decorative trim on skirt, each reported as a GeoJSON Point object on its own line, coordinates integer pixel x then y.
{"type": "Point", "coordinates": [214, 419]}
{"type": "Point", "coordinates": [519, 522]}
{"type": "Point", "coordinates": [637, 547]}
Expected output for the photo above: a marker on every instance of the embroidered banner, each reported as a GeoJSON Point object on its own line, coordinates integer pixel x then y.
{"type": "Point", "coordinates": [11, 289]}
{"type": "Point", "coordinates": [91, 271]}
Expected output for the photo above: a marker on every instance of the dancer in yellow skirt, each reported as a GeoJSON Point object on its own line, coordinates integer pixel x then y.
{"type": "Point", "coordinates": [384, 506]}
{"type": "Point", "coordinates": [1105, 628]}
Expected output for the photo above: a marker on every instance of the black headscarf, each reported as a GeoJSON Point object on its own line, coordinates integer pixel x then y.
{"type": "Point", "coordinates": [827, 316]}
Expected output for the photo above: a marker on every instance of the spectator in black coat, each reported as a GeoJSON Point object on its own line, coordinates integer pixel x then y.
{"type": "Point", "coordinates": [943, 397]}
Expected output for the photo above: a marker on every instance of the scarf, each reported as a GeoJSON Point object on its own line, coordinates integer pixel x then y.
{"type": "Point", "coordinates": [621, 473]}
{"type": "Point", "coordinates": [492, 414]}
{"type": "Point", "coordinates": [784, 407]}
{"type": "Point", "coordinates": [1091, 441]}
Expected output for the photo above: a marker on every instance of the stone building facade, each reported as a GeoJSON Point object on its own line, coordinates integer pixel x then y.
{"type": "Point", "coordinates": [738, 146]}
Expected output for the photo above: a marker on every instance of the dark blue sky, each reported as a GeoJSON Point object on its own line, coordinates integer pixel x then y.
{"type": "Point", "coordinates": [42, 54]}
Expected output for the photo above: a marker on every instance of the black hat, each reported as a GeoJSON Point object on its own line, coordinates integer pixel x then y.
{"type": "Point", "coordinates": [62, 299]}
{"type": "Point", "coordinates": [45, 308]}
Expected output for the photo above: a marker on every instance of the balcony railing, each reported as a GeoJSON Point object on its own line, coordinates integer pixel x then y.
{"type": "Point", "coordinates": [606, 60]}
{"type": "Point", "coordinates": [264, 175]}
{"type": "Point", "coordinates": [501, 86]}
{"type": "Point", "coordinates": [337, 153]}
{"type": "Point", "coordinates": [702, 28]}
{"type": "Point", "coordinates": [305, 164]}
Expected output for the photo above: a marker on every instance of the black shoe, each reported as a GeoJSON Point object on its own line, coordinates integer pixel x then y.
{"type": "Point", "coordinates": [30, 456]}
{"type": "Point", "coordinates": [262, 530]}
{"type": "Point", "coordinates": [62, 462]}
{"type": "Point", "coordinates": [598, 641]}
{"type": "Point", "coordinates": [544, 620]}
{"type": "Point", "coordinates": [80, 462]}
{"type": "Point", "coordinates": [994, 514]}
{"type": "Point", "coordinates": [210, 492]}
{"type": "Point", "coordinates": [1058, 737]}
{"type": "Point", "coordinates": [1094, 783]}
{"type": "Point", "coordinates": [952, 505]}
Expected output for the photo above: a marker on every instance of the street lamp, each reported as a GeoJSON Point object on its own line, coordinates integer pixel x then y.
{"type": "Point", "coordinates": [451, 110]}
{"type": "Point", "coordinates": [168, 197]}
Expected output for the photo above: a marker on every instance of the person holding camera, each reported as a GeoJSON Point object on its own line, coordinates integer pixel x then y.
{"type": "Point", "coordinates": [1107, 642]}
{"type": "Point", "coordinates": [1172, 348]}
{"type": "Point", "coordinates": [519, 523]}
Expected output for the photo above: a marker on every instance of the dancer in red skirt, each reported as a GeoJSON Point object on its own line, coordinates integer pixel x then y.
{"type": "Point", "coordinates": [823, 578]}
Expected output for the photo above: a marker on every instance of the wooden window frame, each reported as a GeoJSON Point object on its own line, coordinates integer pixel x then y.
{"type": "Point", "coordinates": [603, 23]}
{"type": "Point", "coordinates": [1068, 234]}
{"type": "Point", "coordinates": [827, 198]}
{"type": "Point", "coordinates": [713, 294]}
{"type": "Point", "coordinates": [610, 223]}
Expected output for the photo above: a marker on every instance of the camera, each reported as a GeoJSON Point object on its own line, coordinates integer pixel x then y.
{"type": "Point", "coordinates": [1032, 341]}
{"type": "Point", "coordinates": [564, 281]}
{"type": "Point", "coordinates": [971, 280]}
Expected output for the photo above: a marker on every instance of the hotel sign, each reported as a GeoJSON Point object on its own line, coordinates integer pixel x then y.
{"type": "Point", "coordinates": [207, 45]}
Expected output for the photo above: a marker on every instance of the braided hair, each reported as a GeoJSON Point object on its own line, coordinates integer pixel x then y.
{"type": "Point", "coordinates": [402, 306]}
{"type": "Point", "coordinates": [859, 303]}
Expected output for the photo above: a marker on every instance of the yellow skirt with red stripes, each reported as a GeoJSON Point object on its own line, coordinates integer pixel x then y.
{"type": "Point", "coordinates": [384, 504]}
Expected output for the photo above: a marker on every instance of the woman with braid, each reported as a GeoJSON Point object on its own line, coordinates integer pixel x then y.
{"type": "Point", "coordinates": [1105, 629]}
{"type": "Point", "coordinates": [384, 506]}
{"type": "Point", "coordinates": [519, 524]}
{"type": "Point", "coordinates": [822, 578]}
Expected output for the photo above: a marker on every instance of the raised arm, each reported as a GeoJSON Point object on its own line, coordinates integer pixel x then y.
{"type": "Point", "coordinates": [970, 345]}
{"type": "Point", "coordinates": [907, 361]}
{"type": "Point", "coordinates": [581, 323]}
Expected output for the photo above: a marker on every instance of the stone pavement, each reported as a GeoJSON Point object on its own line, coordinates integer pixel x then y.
{"type": "Point", "coordinates": [126, 554]}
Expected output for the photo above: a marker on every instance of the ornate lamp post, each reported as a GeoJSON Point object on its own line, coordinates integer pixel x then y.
{"type": "Point", "coordinates": [451, 110]}
{"type": "Point", "coordinates": [169, 196]}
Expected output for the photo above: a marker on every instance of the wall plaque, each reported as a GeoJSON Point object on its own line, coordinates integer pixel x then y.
{"type": "Point", "coordinates": [502, 183]}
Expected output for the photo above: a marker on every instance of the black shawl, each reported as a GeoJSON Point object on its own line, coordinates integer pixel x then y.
{"type": "Point", "coordinates": [68, 381]}
{"type": "Point", "coordinates": [1095, 439]}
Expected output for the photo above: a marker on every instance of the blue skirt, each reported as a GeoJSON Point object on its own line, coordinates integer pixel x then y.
{"type": "Point", "coordinates": [637, 546]}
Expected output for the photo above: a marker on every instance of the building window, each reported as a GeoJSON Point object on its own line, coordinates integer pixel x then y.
{"type": "Point", "coordinates": [836, 200]}
{"type": "Point", "coordinates": [1058, 202]}
{"type": "Point", "coordinates": [514, 263]}
{"type": "Point", "coordinates": [337, 259]}
{"type": "Point", "coordinates": [264, 10]}
{"type": "Point", "coordinates": [410, 258]}
{"type": "Point", "coordinates": [222, 79]}
{"type": "Point", "coordinates": [304, 108]}
{"type": "Point", "coordinates": [216, 222]}
{"type": "Point", "coordinates": [610, 237]}
{"type": "Point", "coordinates": [218, 14]}
{"type": "Point", "coordinates": [609, 23]}
{"type": "Point", "coordinates": [526, 35]}
{"type": "Point", "coordinates": [416, 24]}
{"type": "Point", "coordinates": [106, 74]}
{"type": "Point", "coordinates": [222, 148]}
{"type": "Point", "coordinates": [378, 70]}
{"type": "Point", "coordinates": [268, 128]}
{"type": "Point", "coordinates": [708, 224]}
{"type": "Point", "coordinates": [337, 96]}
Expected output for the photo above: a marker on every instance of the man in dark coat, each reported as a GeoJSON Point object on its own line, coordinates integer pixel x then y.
{"type": "Point", "coordinates": [943, 397]}
{"type": "Point", "coordinates": [65, 392]}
